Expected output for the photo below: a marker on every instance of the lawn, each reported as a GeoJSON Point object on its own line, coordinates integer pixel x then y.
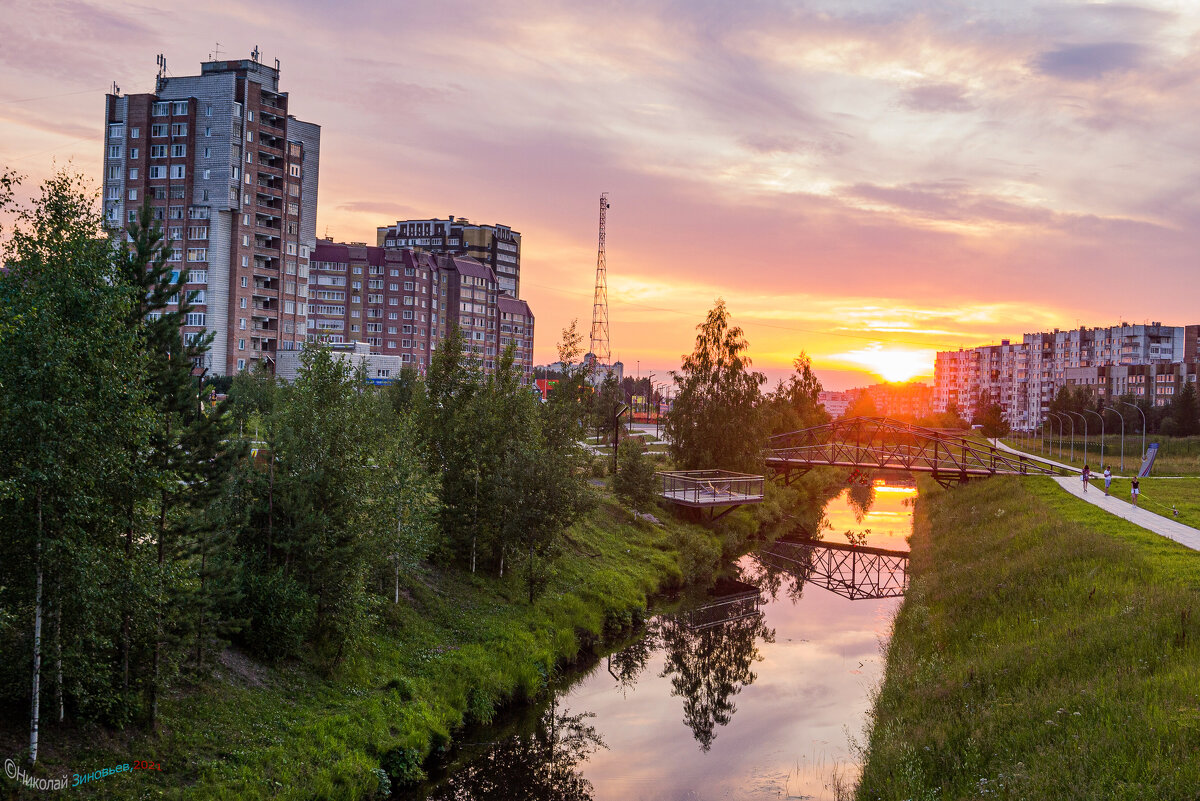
{"type": "Point", "coordinates": [1045, 650]}
{"type": "Point", "coordinates": [1177, 456]}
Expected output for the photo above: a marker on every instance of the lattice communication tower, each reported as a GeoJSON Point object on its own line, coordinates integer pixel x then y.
{"type": "Point", "coordinates": [600, 346]}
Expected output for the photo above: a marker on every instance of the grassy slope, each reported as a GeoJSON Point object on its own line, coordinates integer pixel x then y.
{"type": "Point", "coordinates": [458, 648]}
{"type": "Point", "coordinates": [1045, 650]}
{"type": "Point", "coordinates": [1176, 456]}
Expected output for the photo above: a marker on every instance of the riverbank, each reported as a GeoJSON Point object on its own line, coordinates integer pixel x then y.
{"type": "Point", "coordinates": [1045, 649]}
{"type": "Point", "coordinates": [457, 648]}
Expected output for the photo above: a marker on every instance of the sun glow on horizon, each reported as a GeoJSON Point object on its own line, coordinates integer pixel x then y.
{"type": "Point", "coordinates": [891, 364]}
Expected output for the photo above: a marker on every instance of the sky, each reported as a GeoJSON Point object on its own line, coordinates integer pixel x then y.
{"type": "Point", "coordinates": [868, 182]}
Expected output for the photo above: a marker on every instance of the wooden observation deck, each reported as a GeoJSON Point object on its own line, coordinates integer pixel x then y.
{"type": "Point", "coordinates": [710, 489]}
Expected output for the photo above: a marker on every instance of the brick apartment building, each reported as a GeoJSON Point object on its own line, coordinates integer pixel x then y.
{"type": "Point", "coordinates": [497, 246]}
{"type": "Point", "coordinates": [232, 179]}
{"type": "Point", "coordinates": [401, 301]}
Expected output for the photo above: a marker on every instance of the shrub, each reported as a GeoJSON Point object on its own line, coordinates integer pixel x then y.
{"type": "Point", "coordinates": [281, 614]}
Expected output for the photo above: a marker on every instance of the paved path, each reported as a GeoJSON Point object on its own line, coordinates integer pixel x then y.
{"type": "Point", "coordinates": [1035, 457]}
{"type": "Point", "coordinates": [1171, 529]}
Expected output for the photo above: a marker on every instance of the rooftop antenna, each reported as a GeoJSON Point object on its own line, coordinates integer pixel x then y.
{"type": "Point", "coordinates": [162, 71]}
{"type": "Point", "coordinates": [116, 90]}
{"type": "Point", "coordinates": [277, 65]}
{"type": "Point", "coordinates": [600, 345]}
{"type": "Point", "coordinates": [215, 55]}
{"type": "Point", "coordinates": [254, 54]}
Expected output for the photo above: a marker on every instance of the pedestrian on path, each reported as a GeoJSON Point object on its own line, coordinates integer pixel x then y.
{"type": "Point", "coordinates": [1087, 475]}
{"type": "Point", "coordinates": [1133, 491]}
{"type": "Point", "coordinates": [1107, 481]}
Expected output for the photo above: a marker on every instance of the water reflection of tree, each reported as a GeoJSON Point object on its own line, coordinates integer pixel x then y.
{"type": "Point", "coordinates": [538, 765]}
{"type": "Point", "coordinates": [860, 496]}
{"type": "Point", "coordinates": [627, 664]}
{"type": "Point", "coordinates": [709, 666]}
{"type": "Point", "coordinates": [771, 576]}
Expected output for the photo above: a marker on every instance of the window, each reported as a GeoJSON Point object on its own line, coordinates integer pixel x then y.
{"type": "Point", "coordinates": [243, 303]}
{"type": "Point", "coordinates": [178, 151]}
{"type": "Point", "coordinates": [158, 151]}
{"type": "Point", "coordinates": [116, 131]}
{"type": "Point", "coordinates": [114, 193]}
{"type": "Point", "coordinates": [179, 129]}
{"type": "Point", "coordinates": [294, 170]}
{"type": "Point", "coordinates": [178, 171]}
{"type": "Point", "coordinates": [133, 173]}
{"type": "Point", "coordinates": [133, 154]}
{"type": "Point", "coordinates": [195, 318]}
{"type": "Point", "coordinates": [135, 133]}
{"type": "Point", "coordinates": [249, 116]}
{"type": "Point", "coordinates": [241, 344]}
{"type": "Point", "coordinates": [197, 254]}
{"type": "Point", "coordinates": [174, 233]}
{"type": "Point", "coordinates": [207, 174]}
{"type": "Point", "coordinates": [208, 110]}
{"type": "Point", "coordinates": [114, 151]}
{"type": "Point", "coordinates": [175, 213]}
{"type": "Point", "coordinates": [155, 172]}
{"type": "Point", "coordinates": [293, 209]}
{"type": "Point", "coordinates": [208, 130]}
{"type": "Point", "coordinates": [242, 323]}
{"type": "Point", "coordinates": [179, 108]}
{"type": "Point", "coordinates": [249, 136]}
{"type": "Point", "coordinates": [392, 329]}
{"type": "Point", "coordinates": [159, 109]}
{"type": "Point", "coordinates": [133, 215]}
{"type": "Point", "coordinates": [289, 307]}
{"type": "Point", "coordinates": [196, 296]}
{"type": "Point", "coordinates": [241, 364]}
{"type": "Point", "coordinates": [249, 157]}
{"type": "Point", "coordinates": [208, 152]}
{"type": "Point", "coordinates": [391, 343]}
{"type": "Point", "coordinates": [408, 286]}
{"type": "Point", "coordinates": [158, 129]}
{"type": "Point", "coordinates": [198, 232]}
{"type": "Point", "coordinates": [133, 194]}
{"type": "Point", "coordinates": [114, 172]}
{"type": "Point", "coordinates": [197, 277]}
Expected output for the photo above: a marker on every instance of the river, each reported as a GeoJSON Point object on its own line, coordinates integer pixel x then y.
{"type": "Point", "coordinates": [759, 689]}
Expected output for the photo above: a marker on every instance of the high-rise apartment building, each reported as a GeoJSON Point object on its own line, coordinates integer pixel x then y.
{"type": "Point", "coordinates": [232, 178]}
{"type": "Point", "coordinates": [497, 246]}
{"type": "Point", "coordinates": [1024, 377]}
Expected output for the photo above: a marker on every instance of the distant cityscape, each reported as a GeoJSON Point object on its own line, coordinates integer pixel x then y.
{"type": "Point", "coordinates": [1148, 362]}
{"type": "Point", "coordinates": [232, 177]}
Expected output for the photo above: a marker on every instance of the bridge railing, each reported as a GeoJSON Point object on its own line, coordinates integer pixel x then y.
{"type": "Point", "coordinates": [880, 442]}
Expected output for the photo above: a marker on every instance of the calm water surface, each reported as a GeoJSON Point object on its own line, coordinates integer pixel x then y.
{"type": "Point", "coordinates": [754, 691]}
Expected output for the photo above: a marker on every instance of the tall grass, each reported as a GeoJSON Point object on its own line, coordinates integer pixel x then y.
{"type": "Point", "coordinates": [1046, 650]}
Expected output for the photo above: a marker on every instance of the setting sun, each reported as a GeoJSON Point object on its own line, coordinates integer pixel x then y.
{"type": "Point", "coordinates": [891, 364]}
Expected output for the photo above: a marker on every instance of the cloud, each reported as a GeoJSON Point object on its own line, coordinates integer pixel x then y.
{"type": "Point", "coordinates": [935, 97]}
{"type": "Point", "coordinates": [1090, 61]}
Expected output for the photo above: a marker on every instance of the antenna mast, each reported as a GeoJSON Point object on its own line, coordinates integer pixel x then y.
{"type": "Point", "coordinates": [600, 345]}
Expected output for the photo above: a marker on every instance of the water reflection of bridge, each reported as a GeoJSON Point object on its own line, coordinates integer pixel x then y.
{"type": "Point", "coordinates": [852, 571]}
{"type": "Point", "coordinates": [728, 602]}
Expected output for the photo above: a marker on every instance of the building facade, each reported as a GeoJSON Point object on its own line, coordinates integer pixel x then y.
{"type": "Point", "coordinates": [1140, 360]}
{"type": "Point", "coordinates": [497, 246]}
{"type": "Point", "coordinates": [401, 302]}
{"type": "Point", "coordinates": [232, 178]}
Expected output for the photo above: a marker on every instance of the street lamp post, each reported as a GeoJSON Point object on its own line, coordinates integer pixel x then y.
{"type": "Point", "coordinates": [620, 410]}
{"type": "Point", "coordinates": [1057, 418]}
{"type": "Point", "coordinates": [1085, 440]}
{"type": "Point", "coordinates": [1089, 411]}
{"type": "Point", "coordinates": [1122, 417]}
{"type": "Point", "coordinates": [1143, 414]}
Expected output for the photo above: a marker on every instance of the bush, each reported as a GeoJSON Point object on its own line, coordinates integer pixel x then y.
{"type": "Point", "coordinates": [281, 614]}
{"type": "Point", "coordinates": [634, 481]}
{"type": "Point", "coordinates": [403, 766]}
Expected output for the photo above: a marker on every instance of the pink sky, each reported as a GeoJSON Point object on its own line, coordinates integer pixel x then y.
{"type": "Point", "coordinates": [867, 181]}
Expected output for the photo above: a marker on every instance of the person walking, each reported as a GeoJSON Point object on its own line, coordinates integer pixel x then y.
{"type": "Point", "coordinates": [1133, 491]}
{"type": "Point", "coordinates": [1087, 475]}
{"type": "Point", "coordinates": [1107, 481]}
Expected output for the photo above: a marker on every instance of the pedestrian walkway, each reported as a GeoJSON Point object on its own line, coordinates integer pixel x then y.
{"type": "Point", "coordinates": [1121, 507]}
{"type": "Point", "coordinates": [1034, 457]}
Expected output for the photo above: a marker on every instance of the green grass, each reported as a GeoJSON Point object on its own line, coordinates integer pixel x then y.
{"type": "Point", "coordinates": [456, 649]}
{"type": "Point", "coordinates": [1159, 495]}
{"type": "Point", "coordinates": [1045, 650]}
